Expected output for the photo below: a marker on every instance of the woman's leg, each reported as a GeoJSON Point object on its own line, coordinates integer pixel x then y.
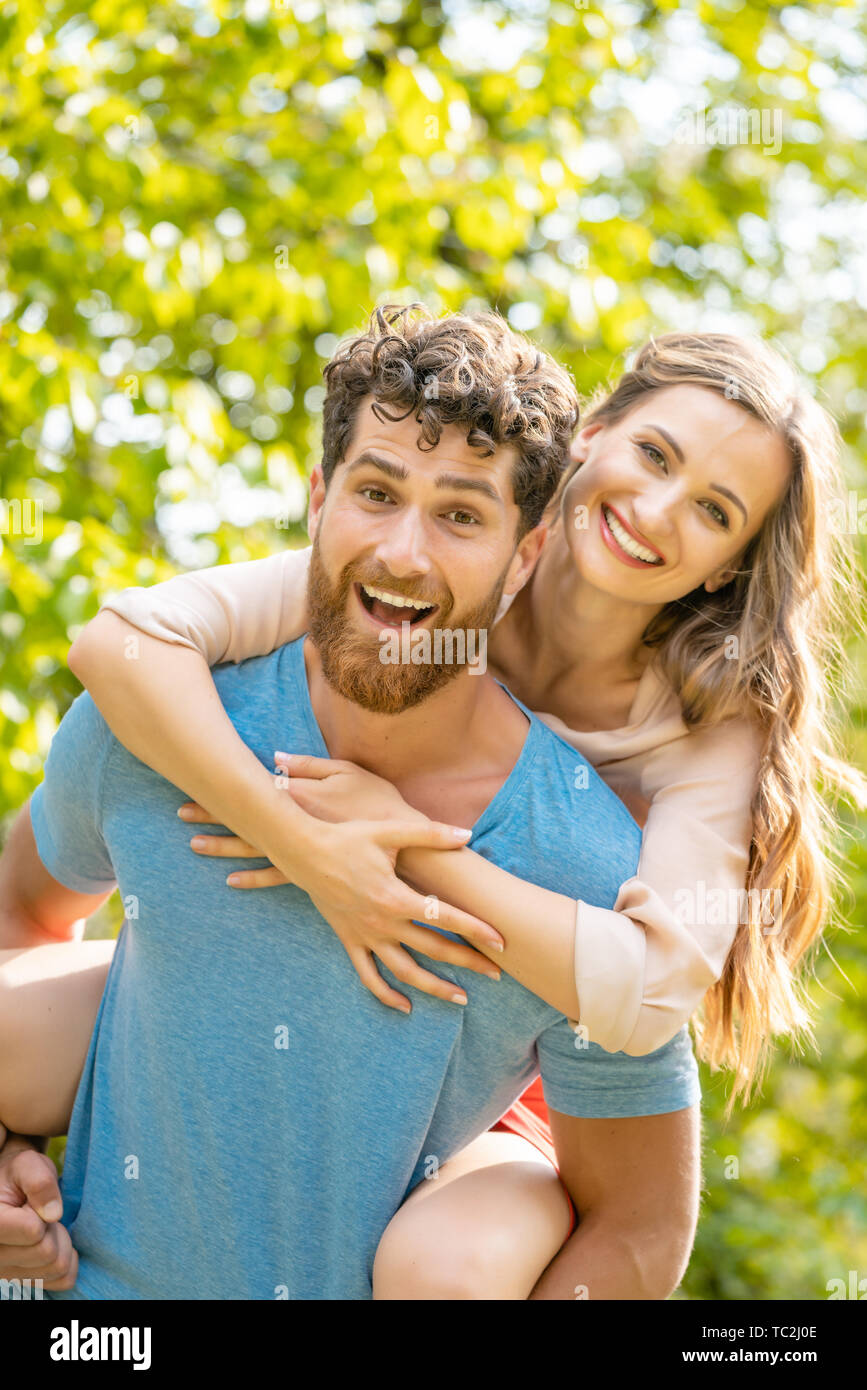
{"type": "Point", "coordinates": [49, 1000]}
{"type": "Point", "coordinates": [485, 1227]}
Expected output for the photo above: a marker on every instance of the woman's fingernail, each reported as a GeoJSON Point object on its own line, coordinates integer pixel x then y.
{"type": "Point", "coordinates": [459, 999]}
{"type": "Point", "coordinates": [493, 974]}
{"type": "Point", "coordinates": [405, 1008]}
{"type": "Point", "coordinates": [198, 842]}
{"type": "Point", "coordinates": [495, 945]}
{"type": "Point", "coordinates": [461, 834]}
{"type": "Point", "coordinates": [233, 879]}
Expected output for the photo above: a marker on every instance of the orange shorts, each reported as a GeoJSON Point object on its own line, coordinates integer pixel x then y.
{"type": "Point", "coordinates": [528, 1118]}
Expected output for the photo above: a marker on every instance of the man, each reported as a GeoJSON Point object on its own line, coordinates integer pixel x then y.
{"type": "Point", "coordinates": [249, 1117]}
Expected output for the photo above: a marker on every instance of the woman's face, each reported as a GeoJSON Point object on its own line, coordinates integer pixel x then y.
{"type": "Point", "coordinates": [683, 482]}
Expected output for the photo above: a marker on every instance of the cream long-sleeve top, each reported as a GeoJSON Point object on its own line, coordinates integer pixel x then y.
{"type": "Point", "coordinates": [641, 967]}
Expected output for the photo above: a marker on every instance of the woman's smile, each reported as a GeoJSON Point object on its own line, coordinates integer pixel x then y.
{"type": "Point", "coordinates": [621, 543]}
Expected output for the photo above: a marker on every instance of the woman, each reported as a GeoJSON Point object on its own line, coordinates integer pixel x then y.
{"type": "Point", "coordinates": [707, 464]}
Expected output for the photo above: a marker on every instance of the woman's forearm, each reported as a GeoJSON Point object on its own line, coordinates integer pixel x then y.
{"type": "Point", "coordinates": [164, 707]}
{"type": "Point", "coordinates": [537, 925]}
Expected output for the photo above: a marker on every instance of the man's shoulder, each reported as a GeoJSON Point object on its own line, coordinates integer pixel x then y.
{"type": "Point", "coordinates": [261, 681]}
{"type": "Point", "coordinates": [564, 763]}
{"type": "Point", "coordinates": [255, 669]}
{"type": "Point", "coordinates": [560, 825]}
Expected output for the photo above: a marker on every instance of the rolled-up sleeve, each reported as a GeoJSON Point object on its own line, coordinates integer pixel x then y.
{"type": "Point", "coordinates": [228, 612]}
{"type": "Point", "coordinates": [643, 966]}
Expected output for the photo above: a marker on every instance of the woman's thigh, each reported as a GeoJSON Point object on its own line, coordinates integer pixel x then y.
{"type": "Point", "coordinates": [485, 1227]}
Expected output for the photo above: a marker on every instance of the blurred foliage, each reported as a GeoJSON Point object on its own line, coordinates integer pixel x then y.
{"type": "Point", "coordinates": [198, 200]}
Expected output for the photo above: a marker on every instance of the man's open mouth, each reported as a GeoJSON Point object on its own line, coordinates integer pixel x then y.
{"type": "Point", "coordinates": [390, 608]}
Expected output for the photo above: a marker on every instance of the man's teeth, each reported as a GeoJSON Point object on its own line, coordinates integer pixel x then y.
{"type": "Point", "coordinates": [395, 600]}
{"type": "Point", "coordinates": [623, 538]}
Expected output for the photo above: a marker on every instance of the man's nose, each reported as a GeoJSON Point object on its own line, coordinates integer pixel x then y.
{"type": "Point", "coordinates": [403, 546]}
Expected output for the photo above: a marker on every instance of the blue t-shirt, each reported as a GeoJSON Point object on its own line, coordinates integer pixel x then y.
{"type": "Point", "coordinates": [250, 1117]}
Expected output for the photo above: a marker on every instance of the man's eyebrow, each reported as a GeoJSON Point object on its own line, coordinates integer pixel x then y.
{"type": "Point", "coordinates": [678, 453]}
{"type": "Point", "coordinates": [392, 470]}
{"type": "Point", "coordinates": [462, 484]}
{"type": "Point", "coordinates": [400, 473]}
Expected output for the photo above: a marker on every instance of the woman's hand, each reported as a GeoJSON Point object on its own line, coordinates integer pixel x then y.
{"type": "Point", "coordinates": [352, 880]}
{"type": "Point", "coordinates": [334, 790]}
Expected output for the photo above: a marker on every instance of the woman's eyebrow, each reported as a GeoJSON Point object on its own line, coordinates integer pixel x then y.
{"type": "Point", "coordinates": [678, 453]}
{"type": "Point", "coordinates": [670, 441]}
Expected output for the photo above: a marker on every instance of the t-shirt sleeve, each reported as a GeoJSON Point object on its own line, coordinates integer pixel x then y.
{"type": "Point", "coordinates": [66, 808]}
{"type": "Point", "coordinates": [580, 1078]}
{"type": "Point", "coordinates": [228, 612]}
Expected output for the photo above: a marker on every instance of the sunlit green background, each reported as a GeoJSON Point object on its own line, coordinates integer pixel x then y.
{"type": "Point", "coordinates": [197, 200]}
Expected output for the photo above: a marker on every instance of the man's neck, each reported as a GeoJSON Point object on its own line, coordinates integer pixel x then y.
{"type": "Point", "coordinates": [449, 732]}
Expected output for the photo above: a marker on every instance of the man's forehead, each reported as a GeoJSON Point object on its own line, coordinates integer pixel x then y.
{"type": "Point", "coordinates": [400, 439]}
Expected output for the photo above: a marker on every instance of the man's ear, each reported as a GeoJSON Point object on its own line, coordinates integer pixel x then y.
{"type": "Point", "coordinates": [317, 500]}
{"type": "Point", "coordinates": [525, 558]}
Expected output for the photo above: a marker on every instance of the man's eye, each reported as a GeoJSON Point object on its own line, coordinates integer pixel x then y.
{"type": "Point", "coordinates": [462, 518]}
{"type": "Point", "coordinates": [374, 494]}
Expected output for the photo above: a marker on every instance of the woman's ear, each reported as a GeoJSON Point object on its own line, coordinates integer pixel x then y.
{"type": "Point", "coordinates": [719, 580]}
{"type": "Point", "coordinates": [580, 445]}
{"type": "Point", "coordinates": [724, 576]}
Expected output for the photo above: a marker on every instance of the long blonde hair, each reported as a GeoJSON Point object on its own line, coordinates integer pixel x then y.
{"type": "Point", "coordinates": [796, 593]}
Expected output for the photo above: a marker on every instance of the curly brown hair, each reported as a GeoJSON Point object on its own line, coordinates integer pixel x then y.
{"type": "Point", "coordinates": [471, 370]}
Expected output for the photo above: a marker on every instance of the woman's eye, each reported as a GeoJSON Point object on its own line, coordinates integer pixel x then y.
{"type": "Point", "coordinates": [651, 449]}
{"type": "Point", "coordinates": [721, 516]}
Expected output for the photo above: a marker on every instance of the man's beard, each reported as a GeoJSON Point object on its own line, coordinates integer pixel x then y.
{"type": "Point", "coordinates": [351, 660]}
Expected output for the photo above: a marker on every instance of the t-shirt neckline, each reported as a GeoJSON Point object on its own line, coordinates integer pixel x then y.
{"type": "Point", "coordinates": [498, 803]}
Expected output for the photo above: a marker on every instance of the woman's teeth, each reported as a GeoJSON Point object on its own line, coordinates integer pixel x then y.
{"type": "Point", "coordinates": [627, 542]}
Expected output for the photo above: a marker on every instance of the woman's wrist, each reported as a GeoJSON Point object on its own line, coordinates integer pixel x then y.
{"type": "Point", "coordinates": [292, 839]}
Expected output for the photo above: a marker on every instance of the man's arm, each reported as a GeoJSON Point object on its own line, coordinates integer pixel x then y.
{"type": "Point", "coordinates": [50, 987]}
{"type": "Point", "coordinates": [635, 1183]}
{"type": "Point", "coordinates": [33, 1243]}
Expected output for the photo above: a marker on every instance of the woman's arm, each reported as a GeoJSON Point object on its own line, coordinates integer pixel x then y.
{"type": "Point", "coordinates": [537, 926]}
{"type": "Point", "coordinates": [157, 695]}
{"type": "Point", "coordinates": [145, 660]}
{"type": "Point", "coordinates": [641, 968]}
{"type": "Point", "coordinates": [227, 612]}
{"type": "Point", "coordinates": [632, 974]}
